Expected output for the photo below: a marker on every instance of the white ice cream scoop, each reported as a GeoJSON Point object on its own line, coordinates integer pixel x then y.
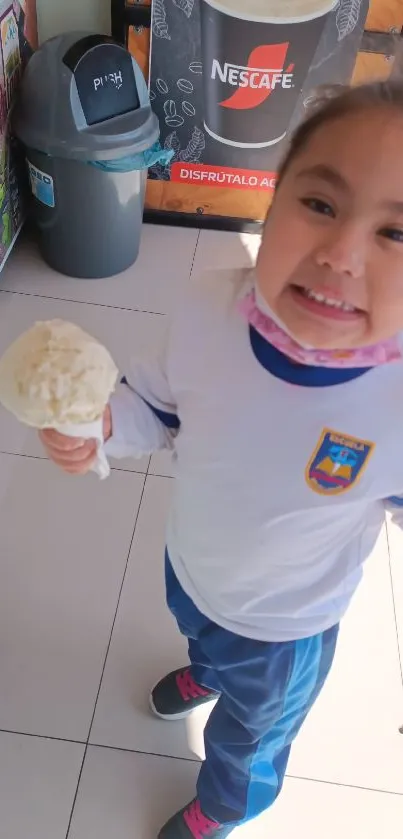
{"type": "Point", "coordinates": [57, 376]}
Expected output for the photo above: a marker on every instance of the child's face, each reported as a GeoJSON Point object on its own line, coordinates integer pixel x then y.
{"type": "Point", "coordinates": [335, 232]}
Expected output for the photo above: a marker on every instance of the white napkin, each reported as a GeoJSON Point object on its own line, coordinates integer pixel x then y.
{"type": "Point", "coordinates": [90, 431]}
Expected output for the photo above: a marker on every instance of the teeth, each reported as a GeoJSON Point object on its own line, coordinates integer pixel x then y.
{"type": "Point", "coordinates": [328, 301]}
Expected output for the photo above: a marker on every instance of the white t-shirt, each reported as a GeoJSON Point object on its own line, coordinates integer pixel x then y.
{"type": "Point", "coordinates": [278, 498]}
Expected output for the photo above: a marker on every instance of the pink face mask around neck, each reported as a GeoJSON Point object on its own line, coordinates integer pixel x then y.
{"type": "Point", "coordinates": [276, 335]}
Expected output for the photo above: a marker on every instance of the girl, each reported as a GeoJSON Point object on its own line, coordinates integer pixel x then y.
{"type": "Point", "coordinates": [281, 392]}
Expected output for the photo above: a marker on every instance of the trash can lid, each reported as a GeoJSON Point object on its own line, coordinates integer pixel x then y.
{"type": "Point", "coordinates": [84, 97]}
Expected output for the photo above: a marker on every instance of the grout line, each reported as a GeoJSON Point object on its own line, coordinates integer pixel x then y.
{"type": "Point", "coordinates": [156, 475]}
{"type": "Point", "coordinates": [76, 792]}
{"type": "Point", "coordinates": [344, 786]}
{"type": "Point", "coordinates": [141, 752]}
{"type": "Point", "coordinates": [198, 761]}
{"type": "Point", "coordinates": [400, 651]}
{"type": "Point", "coordinates": [45, 459]}
{"type": "Point", "coordinates": [87, 743]}
{"type": "Point", "coordinates": [194, 254]}
{"type": "Point", "coordinates": [42, 736]}
{"type": "Point", "coordinates": [81, 302]}
{"type": "Point", "coordinates": [106, 658]}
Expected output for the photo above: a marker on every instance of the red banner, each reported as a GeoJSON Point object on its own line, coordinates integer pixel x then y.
{"type": "Point", "coordinates": [224, 176]}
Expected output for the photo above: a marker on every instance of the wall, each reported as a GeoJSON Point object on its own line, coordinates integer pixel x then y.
{"type": "Point", "coordinates": [55, 16]}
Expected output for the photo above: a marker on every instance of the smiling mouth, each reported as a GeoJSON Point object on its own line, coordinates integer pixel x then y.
{"type": "Point", "coordinates": [321, 300]}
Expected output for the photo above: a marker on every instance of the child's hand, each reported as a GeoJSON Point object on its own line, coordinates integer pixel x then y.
{"type": "Point", "coordinates": [71, 454]}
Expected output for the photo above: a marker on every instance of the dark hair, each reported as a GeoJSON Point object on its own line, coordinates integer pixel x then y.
{"type": "Point", "coordinates": [332, 103]}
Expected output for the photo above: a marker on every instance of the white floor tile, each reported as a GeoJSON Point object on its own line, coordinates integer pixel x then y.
{"type": "Point", "coordinates": [163, 464]}
{"type": "Point", "coordinates": [38, 780]}
{"type": "Point", "coordinates": [145, 643]}
{"type": "Point", "coordinates": [64, 544]}
{"type": "Point", "coordinates": [218, 249]}
{"type": "Point", "coordinates": [128, 796]}
{"type": "Point", "coordinates": [352, 734]}
{"type": "Point", "coordinates": [313, 811]}
{"type": "Point", "coordinates": [151, 285]}
{"type": "Point", "coordinates": [125, 795]}
{"type": "Point", "coordinates": [125, 333]}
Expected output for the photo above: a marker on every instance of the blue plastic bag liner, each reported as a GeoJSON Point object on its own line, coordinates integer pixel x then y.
{"type": "Point", "coordinates": [144, 160]}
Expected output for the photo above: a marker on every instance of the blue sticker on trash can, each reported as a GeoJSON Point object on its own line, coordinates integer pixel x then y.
{"type": "Point", "coordinates": [42, 185]}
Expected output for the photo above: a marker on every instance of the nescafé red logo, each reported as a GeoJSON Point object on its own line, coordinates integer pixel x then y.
{"type": "Point", "coordinates": [256, 81]}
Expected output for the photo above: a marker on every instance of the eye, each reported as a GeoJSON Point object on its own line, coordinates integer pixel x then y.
{"type": "Point", "coordinates": [392, 233]}
{"type": "Point", "coordinates": [318, 206]}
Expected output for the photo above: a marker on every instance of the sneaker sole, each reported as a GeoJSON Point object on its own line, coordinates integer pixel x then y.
{"type": "Point", "coordinates": [174, 717]}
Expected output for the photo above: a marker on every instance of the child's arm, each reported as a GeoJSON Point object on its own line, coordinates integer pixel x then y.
{"type": "Point", "coordinates": [143, 410]}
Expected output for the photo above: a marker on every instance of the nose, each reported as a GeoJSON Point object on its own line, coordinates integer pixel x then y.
{"type": "Point", "coordinates": [344, 252]}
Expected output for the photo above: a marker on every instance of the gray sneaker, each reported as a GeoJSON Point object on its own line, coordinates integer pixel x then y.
{"type": "Point", "coordinates": [191, 823]}
{"type": "Point", "coordinates": [177, 695]}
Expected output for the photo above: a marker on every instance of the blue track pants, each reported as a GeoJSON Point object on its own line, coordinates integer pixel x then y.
{"type": "Point", "coordinates": [267, 690]}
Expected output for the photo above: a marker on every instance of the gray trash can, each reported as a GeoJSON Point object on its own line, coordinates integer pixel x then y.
{"type": "Point", "coordinates": [83, 101]}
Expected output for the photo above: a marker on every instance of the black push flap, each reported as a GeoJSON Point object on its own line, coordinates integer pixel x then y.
{"type": "Point", "coordinates": [104, 76]}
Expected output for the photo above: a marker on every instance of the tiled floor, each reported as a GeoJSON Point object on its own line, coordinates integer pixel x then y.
{"type": "Point", "coordinates": [84, 631]}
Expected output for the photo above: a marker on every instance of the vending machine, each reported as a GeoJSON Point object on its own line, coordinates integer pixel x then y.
{"type": "Point", "coordinates": [18, 40]}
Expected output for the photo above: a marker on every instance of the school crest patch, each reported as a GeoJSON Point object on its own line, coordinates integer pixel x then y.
{"type": "Point", "coordinates": [337, 462]}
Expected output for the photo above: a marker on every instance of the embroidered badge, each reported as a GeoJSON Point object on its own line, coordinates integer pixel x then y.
{"type": "Point", "coordinates": [337, 462]}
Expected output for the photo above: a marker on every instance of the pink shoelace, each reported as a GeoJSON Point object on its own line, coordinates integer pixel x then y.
{"type": "Point", "coordinates": [188, 688]}
{"type": "Point", "coordinates": [199, 825]}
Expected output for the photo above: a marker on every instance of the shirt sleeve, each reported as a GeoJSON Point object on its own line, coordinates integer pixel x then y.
{"type": "Point", "coordinates": [144, 413]}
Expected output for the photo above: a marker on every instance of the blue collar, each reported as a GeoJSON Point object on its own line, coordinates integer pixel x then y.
{"type": "Point", "coordinates": [299, 374]}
